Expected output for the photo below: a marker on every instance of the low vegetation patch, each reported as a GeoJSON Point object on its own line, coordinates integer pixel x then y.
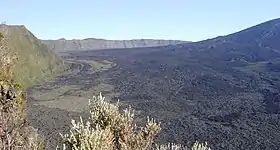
{"type": "Point", "coordinates": [109, 128]}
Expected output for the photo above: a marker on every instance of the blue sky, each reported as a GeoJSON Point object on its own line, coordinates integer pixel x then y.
{"type": "Point", "coordinates": [134, 19]}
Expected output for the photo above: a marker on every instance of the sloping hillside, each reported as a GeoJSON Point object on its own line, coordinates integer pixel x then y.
{"type": "Point", "coordinates": [35, 62]}
{"type": "Point", "coordinates": [63, 45]}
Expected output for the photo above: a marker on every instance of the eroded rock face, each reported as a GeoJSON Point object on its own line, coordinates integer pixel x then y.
{"type": "Point", "coordinates": [62, 45]}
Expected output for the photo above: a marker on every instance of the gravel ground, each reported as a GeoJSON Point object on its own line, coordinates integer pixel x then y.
{"type": "Point", "coordinates": [51, 106]}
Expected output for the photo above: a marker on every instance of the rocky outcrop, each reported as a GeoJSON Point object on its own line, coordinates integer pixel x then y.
{"type": "Point", "coordinates": [62, 45]}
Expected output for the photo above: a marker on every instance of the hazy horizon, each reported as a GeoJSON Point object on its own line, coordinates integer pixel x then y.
{"type": "Point", "coordinates": [126, 20]}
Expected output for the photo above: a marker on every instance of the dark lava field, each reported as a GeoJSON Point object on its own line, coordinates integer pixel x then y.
{"type": "Point", "coordinates": [224, 90]}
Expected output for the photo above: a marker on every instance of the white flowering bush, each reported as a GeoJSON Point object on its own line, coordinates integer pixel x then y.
{"type": "Point", "coordinates": [112, 129]}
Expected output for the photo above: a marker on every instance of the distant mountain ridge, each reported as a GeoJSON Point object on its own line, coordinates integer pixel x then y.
{"type": "Point", "coordinates": [63, 45]}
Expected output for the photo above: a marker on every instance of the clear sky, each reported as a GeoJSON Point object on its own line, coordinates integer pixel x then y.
{"type": "Point", "coordinates": [134, 19]}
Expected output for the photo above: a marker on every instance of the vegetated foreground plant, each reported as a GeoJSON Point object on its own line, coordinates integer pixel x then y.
{"type": "Point", "coordinates": [111, 129]}
{"type": "Point", "coordinates": [14, 131]}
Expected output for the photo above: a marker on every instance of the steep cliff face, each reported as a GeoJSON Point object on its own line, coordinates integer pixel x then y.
{"type": "Point", "coordinates": [35, 60]}
{"type": "Point", "coordinates": [63, 45]}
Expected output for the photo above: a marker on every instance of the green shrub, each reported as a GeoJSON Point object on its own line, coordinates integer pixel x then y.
{"type": "Point", "coordinates": [1, 36]}
{"type": "Point", "coordinates": [112, 129]}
